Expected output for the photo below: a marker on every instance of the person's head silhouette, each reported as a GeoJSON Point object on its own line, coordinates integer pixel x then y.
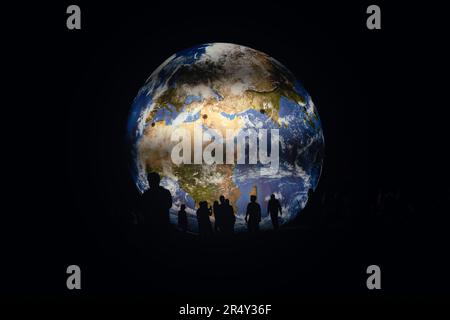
{"type": "Point", "coordinates": [272, 196]}
{"type": "Point", "coordinates": [253, 198]}
{"type": "Point", "coordinates": [183, 207]}
{"type": "Point", "coordinates": [153, 179]}
{"type": "Point", "coordinates": [222, 199]}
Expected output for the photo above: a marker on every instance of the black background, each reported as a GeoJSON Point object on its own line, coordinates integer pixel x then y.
{"type": "Point", "coordinates": [376, 95]}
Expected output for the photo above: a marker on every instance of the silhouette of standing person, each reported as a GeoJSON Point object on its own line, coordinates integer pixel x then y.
{"type": "Point", "coordinates": [312, 209]}
{"type": "Point", "coordinates": [273, 208]}
{"type": "Point", "coordinates": [155, 204]}
{"type": "Point", "coordinates": [229, 219]}
{"type": "Point", "coordinates": [253, 215]}
{"type": "Point", "coordinates": [216, 213]}
{"type": "Point", "coordinates": [182, 218]}
{"type": "Point", "coordinates": [220, 215]}
{"type": "Point", "coordinates": [204, 224]}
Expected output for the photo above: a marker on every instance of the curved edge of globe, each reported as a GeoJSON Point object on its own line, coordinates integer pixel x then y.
{"type": "Point", "coordinates": [143, 100]}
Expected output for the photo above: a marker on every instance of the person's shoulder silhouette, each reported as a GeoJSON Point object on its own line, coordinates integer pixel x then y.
{"type": "Point", "coordinates": [274, 204]}
{"type": "Point", "coordinates": [156, 202]}
{"type": "Point", "coordinates": [253, 214]}
{"type": "Point", "coordinates": [253, 208]}
{"type": "Point", "coordinates": [204, 224]}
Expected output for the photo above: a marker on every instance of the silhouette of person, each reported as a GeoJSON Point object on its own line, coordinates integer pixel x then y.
{"type": "Point", "coordinates": [220, 215]}
{"type": "Point", "coordinates": [182, 218]}
{"type": "Point", "coordinates": [216, 212]}
{"type": "Point", "coordinates": [273, 208]}
{"type": "Point", "coordinates": [204, 224]}
{"type": "Point", "coordinates": [155, 204]}
{"type": "Point", "coordinates": [253, 215]}
{"type": "Point", "coordinates": [229, 219]}
{"type": "Point", "coordinates": [311, 210]}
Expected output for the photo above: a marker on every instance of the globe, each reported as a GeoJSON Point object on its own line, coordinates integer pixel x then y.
{"type": "Point", "coordinates": [227, 89]}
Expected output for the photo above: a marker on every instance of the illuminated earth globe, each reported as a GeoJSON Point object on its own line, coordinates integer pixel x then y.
{"type": "Point", "coordinates": [227, 89]}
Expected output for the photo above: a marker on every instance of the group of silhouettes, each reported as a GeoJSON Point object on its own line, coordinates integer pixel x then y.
{"type": "Point", "coordinates": [156, 202]}
{"type": "Point", "coordinates": [328, 208]}
{"type": "Point", "coordinates": [225, 218]}
{"type": "Point", "coordinates": [223, 215]}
